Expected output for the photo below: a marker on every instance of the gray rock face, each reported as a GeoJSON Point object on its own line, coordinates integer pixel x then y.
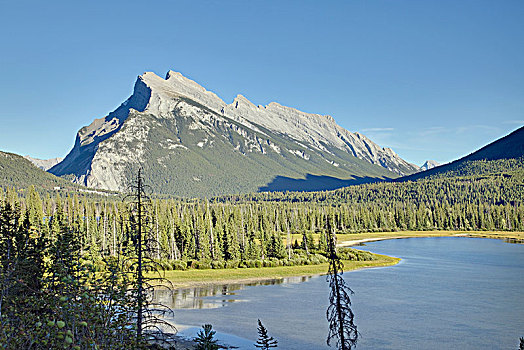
{"type": "Point", "coordinates": [44, 164]}
{"type": "Point", "coordinates": [429, 164]}
{"type": "Point", "coordinates": [168, 123]}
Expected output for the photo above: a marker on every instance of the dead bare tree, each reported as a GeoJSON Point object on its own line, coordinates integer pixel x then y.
{"type": "Point", "coordinates": [148, 313]}
{"type": "Point", "coordinates": [339, 314]}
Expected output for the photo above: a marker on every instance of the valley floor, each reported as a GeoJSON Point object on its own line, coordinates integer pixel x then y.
{"type": "Point", "coordinates": [191, 278]}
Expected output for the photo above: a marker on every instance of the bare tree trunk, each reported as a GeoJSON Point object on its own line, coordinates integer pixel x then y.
{"type": "Point", "coordinates": [105, 229]}
{"type": "Point", "coordinates": [339, 313]}
{"type": "Point", "coordinates": [157, 232]}
{"type": "Point", "coordinates": [288, 241]}
{"type": "Point", "coordinates": [139, 253]}
{"type": "Point", "coordinates": [211, 238]}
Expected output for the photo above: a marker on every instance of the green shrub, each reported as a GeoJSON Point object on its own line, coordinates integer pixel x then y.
{"type": "Point", "coordinates": [355, 255]}
{"type": "Point", "coordinates": [202, 265]}
{"type": "Point", "coordinates": [217, 264]}
{"type": "Point", "coordinates": [179, 265]}
{"type": "Point", "coordinates": [166, 265]}
{"type": "Point", "coordinates": [313, 260]}
{"type": "Point", "coordinates": [231, 264]}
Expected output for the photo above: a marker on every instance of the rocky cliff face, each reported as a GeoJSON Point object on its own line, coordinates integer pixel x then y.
{"type": "Point", "coordinates": [193, 143]}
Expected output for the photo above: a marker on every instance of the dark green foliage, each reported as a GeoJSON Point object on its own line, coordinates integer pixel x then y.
{"type": "Point", "coordinates": [21, 273]}
{"type": "Point", "coordinates": [205, 338]}
{"type": "Point", "coordinates": [16, 171]}
{"type": "Point", "coordinates": [54, 292]}
{"type": "Point", "coordinates": [61, 304]}
{"type": "Point", "coordinates": [264, 341]}
{"type": "Point", "coordinates": [354, 254]}
{"type": "Point", "coordinates": [521, 346]}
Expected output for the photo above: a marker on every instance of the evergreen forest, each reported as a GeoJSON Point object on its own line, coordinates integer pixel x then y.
{"type": "Point", "coordinates": [248, 230]}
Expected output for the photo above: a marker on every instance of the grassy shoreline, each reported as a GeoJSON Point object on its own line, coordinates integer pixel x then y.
{"type": "Point", "coordinates": [194, 278]}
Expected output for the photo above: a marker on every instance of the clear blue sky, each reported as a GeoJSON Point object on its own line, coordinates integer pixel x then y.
{"type": "Point", "coordinates": [431, 79]}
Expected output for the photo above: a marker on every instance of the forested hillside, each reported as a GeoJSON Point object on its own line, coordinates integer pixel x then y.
{"type": "Point", "coordinates": [490, 182]}
{"type": "Point", "coordinates": [16, 171]}
{"type": "Point", "coordinates": [504, 154]}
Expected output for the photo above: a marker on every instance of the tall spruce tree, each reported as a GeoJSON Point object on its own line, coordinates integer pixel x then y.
{"type": "Point", "coordinates": [205, 338]}
{"type": "Point", "coordinates": [264, 341]}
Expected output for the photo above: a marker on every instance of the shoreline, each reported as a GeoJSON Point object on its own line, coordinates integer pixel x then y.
{"type": "Point", "coordinates": [202, 278]}
{"type": "Point", "coordinates": [353, 243]}
{"type": "Point", "coordinates": [515, 236]}
{"type": "Point", "coordinates": [273, 273]}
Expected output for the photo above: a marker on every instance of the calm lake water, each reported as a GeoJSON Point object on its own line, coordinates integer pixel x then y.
{"type": "Point", "coordinates": [447, 293]}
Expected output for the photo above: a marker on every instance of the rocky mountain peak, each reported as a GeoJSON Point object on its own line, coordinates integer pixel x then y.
{"type": "Point", "coordinates": [176, 118]}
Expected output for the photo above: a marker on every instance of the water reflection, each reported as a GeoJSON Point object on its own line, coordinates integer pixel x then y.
{"type": "Point", "coordinates": [213, 295]}
{"type": "Point", "coordinates": [514, 240]}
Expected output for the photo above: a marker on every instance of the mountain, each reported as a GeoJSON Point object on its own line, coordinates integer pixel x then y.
{"type": "Point", "coordinates": [44, 164]}
{"type": "Point", "coordinates": [429, 164]}
{"type": "Point", "coordinates": [18, 172]}
{"type": "Point", "coordinates": [502, 155]}
{"type": "Point", "coordinates": [191, 143]}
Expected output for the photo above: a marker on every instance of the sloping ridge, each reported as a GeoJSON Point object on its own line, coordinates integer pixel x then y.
{"type": "Point", "coordinates": [78, 160]}
{"type": "Point", "coordinates": [180, 131]}
{"type": "Point", "coordinates": [510, 146]}
{"type": "Point", "coordinates": [18, 172]}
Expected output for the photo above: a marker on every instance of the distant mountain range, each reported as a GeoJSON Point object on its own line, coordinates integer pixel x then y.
{"type": "Point", "coordinates": [429, 164]}
{"type": "Point", "coordinates": [510, 147]}
{"type": "Point", "coordinates": [191, 143]}
{"type": "Point", "coordinates": [44, 164]}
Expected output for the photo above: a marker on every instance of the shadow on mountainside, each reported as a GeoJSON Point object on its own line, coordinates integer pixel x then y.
{"type": "Point", "coordinates": [314, 183]}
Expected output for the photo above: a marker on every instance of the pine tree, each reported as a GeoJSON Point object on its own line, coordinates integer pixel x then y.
{"type": "Point", "coordinates": [264, 341]}
{"type": "Point", "coordinates": [21, 260]}
{"type": "Point", "coordinates": [205, 338]}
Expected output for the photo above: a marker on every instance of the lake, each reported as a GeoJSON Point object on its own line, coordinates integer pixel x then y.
{"type": "Point", "coordinates": [447, 293]}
